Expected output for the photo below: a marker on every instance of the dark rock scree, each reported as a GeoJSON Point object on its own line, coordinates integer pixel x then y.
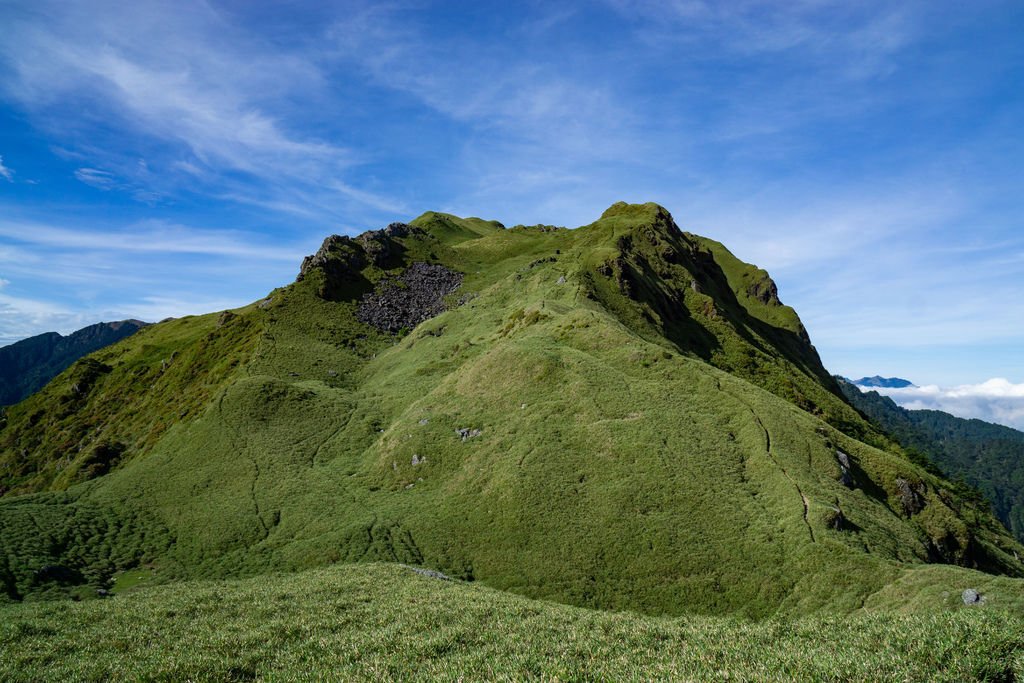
{"type": "Point", "coordinates": [396, 303]}
{"type": "Point", "coordinates": [406, 301]}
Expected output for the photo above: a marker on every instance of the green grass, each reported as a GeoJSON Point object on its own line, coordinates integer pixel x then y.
{"type": "Point", "coordinates": [131, 579]}
{"type": "Point", "coordinates": [383, 622]}
{"type": "Point", "coordinates": [651, 439]}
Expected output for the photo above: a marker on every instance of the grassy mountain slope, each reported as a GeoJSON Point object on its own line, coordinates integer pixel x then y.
{"type": "Point", "coordinates": [26, 366]}
{"type": "Point", "coordinates": [383, 622]}
{"type": "Point", "coordinates": [606, 416]}
{"type": "Point", "coordinates": [987, 456]}
{"type": "Point", "coordinates": [119, 401]}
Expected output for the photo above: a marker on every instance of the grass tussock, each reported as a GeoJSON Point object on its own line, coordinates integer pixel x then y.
{"type": "Point", "coordinates": [383, 622]}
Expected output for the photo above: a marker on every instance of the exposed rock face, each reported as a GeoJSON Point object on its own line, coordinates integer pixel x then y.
{"type": "Point", "coordinates": [372, 246]}
{"type": "Point", "coordinates": [341, 258]}
{"type": "Point", "coordinates": [845, 469]}
{"type": "Point", "coordinates": [384, 236]}
{"type": "Point", "coordinates": [467, 433]}
{"type": "Point", "coordinates": [404, 302]}
{"type": "Point", "coordinates": [764, 291]}
{"type": "Point", "coordinates": [972, 597]}
{"type": "Point", "coordinates": [336, 251]}
{"type": "Point", "coordinates": [911, 496]}
{"type": "Point", "coordinates": [379, 245]}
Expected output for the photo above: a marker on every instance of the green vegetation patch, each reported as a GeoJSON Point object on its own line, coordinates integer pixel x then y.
{"type": "Point", "coordinates": [385, 622]}
{"type": "Point", "coordinates": [619, 416]}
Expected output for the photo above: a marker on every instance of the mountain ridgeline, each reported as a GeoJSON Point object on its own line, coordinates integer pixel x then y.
{"type": "Point", "coordinates": [27, 365]}
{"type": "Point", "coordinates": [884, 382]}
{"type": "Point", "coordinates": [622, 415]}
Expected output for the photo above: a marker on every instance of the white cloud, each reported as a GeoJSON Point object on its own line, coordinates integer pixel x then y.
{"type": "Point", "coordinates": [152, 236]}
{"type": "Point", "coordinates": [6, 173]}
{"type": "Point", "coordinates": [831, 28]}
{"type": "Point", "coordinates": [69, 276]}
{"type": "Point", "coordinates": [187, 88]}
{"type": "Point", "coordinates": [104, 180]}
{"type": "Point", "coordinates": [22, 317]}
{"type": "Point", "coordinates": [995, 400]}
{"type": "Point", "coordinates": [156, 308]}
{"type": "Point", "coordinates": [768, 230]}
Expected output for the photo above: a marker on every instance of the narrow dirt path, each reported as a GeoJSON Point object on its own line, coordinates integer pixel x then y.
{"type": "Point", "coordinates": [804, 500]}
{"type": "Point", "coordinates": [768, 450]}
{"type": "Point", "coordinates": [330, 437]}
{"type": "Point", "coordinates": [237, 440]}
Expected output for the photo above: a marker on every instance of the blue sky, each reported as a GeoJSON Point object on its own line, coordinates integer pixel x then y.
{"type": "Point", "coordinates": [159, 159]}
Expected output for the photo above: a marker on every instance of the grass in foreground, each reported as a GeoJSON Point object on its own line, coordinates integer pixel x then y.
{"type": "Point", "coordinates": [383, 622]}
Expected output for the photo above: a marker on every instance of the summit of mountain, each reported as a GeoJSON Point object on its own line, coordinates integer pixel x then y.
{"type": "Point", "coordinates": [622, 415]}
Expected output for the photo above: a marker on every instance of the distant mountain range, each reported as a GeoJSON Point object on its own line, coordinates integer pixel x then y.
{"type": "Point", "coordinates": [882, 382]}
{"type": "Point", "coordinates": [987, 456]}
{"type": "Point", "coordinates": [26, 366]}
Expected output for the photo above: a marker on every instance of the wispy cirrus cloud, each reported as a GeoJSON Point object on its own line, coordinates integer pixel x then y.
{"type": "Point", "coordinates": [196, 94]}
{"type": "Point", "coordinates": [155, 237]}
{"type": "Point", "coordinates": [22, 317]}
{"type": "Point", "coordinates": [873, 29]}
{"type": "Point", "coordinates": [103, 180]}
{"type": "Point", "coordinates": [533, 99]}
{"type": "Point", "coordinates": [6, 173]}
{"type": "Point", "coordinates": [108, 274]}
{"type": "Point", "coordinates": [530, 119]}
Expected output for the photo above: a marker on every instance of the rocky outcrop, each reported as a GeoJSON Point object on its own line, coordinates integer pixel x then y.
{"type": "Point", "coordinates": [380, 245]}
{"type": "Point", "coordinates": [765, 291]}
{"type": "Point", "coordinates": [845, 469]}
{"type": "Point", "coordinates": [466, 433]}
{"type": "Point", "coordinates": [406, 301]}
{"type": "Point", "coordinates": [429, 573]}
{"type": "Point", "coordinates": [835, 519]}
{"type": "Point", "coordinates": [336, 255]}
{"type": "Point", "coordinates": [911, 496]}
{"type": "Point", "coordinates": [341, 258]}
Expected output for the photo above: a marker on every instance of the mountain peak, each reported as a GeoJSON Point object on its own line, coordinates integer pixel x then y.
{"type": "Point", "coordinates": [405, 400]}
{"type": "Point", "coordinates": [883, 382]}
{"type": "Point", "coordinates": [648, 215]}
{"type": "Point", "coordinates": [646, 210]}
